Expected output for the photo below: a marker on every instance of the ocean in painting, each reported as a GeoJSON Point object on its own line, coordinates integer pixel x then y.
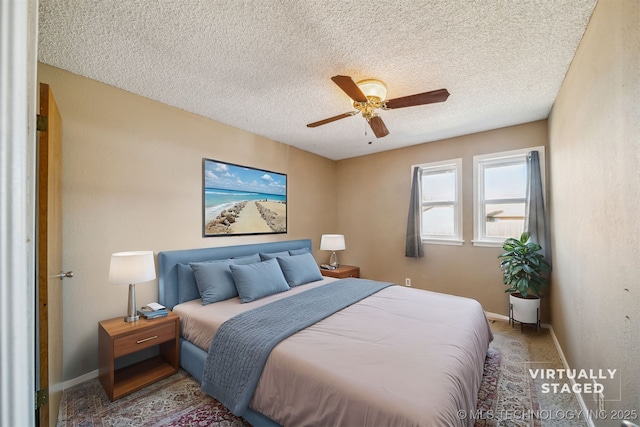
{"type": "Point", "coordinates": [216, 200]}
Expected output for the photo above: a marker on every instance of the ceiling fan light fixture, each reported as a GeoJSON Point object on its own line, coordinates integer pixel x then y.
{"type": "Point", "coordinates": [370, 95]}
{"type": "Point", "coordinates": [373, 88]}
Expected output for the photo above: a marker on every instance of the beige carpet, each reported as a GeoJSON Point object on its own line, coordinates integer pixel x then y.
{"type": "Point", "coordinates": [507, 397]}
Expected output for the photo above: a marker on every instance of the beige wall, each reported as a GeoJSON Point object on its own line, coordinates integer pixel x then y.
{"type": "Point", "coordinates": [373, 202]}
{"type": "Point", "coordinates": [595, 182]}
{"type": "Point", "coordinates": [132, 181]}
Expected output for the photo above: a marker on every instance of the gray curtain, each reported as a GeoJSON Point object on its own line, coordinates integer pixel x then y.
{"type": "Point", "coordinates": [414, 240]}
{"type": "Point", "coordinates": [535, 221]}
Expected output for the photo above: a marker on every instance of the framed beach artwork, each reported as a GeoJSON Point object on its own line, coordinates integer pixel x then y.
{"type": "Point", "coordinates": [239, 200]}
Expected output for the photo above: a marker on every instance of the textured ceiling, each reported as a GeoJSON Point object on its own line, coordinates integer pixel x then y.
{"type": "Point", "coordinates": [265, 65]}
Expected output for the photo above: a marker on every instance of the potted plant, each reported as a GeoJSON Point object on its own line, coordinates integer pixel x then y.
{"type": "Point", "coordinates": [523, 268]}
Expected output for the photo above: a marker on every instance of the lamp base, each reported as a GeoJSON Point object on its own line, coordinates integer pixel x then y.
{"type": "Point", "coordinates": [132, 314]}
{"type": "Point", "coordinates": [333, 260]}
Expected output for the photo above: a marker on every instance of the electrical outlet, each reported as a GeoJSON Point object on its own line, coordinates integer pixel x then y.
{"type": "Point", "coordinates": [601, 402]}
{"type": "Point", "coordinates": [407, 282]}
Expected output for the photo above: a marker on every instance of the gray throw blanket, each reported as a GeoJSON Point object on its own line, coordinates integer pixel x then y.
{"type": "Point", "coordinates": [241, 346]}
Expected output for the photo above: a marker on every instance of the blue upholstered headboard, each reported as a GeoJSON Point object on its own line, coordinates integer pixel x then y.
{"type": "Point", "coordinates": [168, 260]}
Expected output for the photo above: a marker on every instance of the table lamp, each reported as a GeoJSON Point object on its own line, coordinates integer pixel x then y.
{"type": "Point", "coordinates": [332, 242]}
{"type": "Point", "coordinates": [129, 268]}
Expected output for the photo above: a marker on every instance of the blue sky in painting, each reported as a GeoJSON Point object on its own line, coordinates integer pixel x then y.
{"type": "Point", "coordinates": [232, 177]}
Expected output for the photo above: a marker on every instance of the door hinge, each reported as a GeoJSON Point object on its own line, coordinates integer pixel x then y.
{"type": "Point", "coordinates": [42, 123]}
{"type": "Point", "coordinates": [42, 398]}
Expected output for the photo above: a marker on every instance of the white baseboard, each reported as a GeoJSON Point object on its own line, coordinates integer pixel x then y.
{"type": "Point", "coordinates": [581, 401]}
{"type": "Point", "coordinates": [578, 396]}
{"type": "Point", "coordinates": [82, 378]}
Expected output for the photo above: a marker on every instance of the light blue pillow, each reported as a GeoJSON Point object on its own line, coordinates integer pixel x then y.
{"type": "Point", "coordinates": [298, 251]}
{"type": "Point", "coordinates": [255, 281]}
{"type": "Point", "coordinates": [214, 280]}
{"type": "Point", "coordinates": [242, 260]}
{"type": "Point", "coordinates": [187, 287]}
{"type": "Point", "coordinates": [299, 269]}
{"type": "Point", "coordinates": [272, 255]}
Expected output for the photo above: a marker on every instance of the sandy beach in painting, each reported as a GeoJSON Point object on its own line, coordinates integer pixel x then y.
{"type": "Point", "coordinates": [254, 216]}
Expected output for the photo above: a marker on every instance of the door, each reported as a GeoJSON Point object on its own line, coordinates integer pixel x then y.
{"type": "Point", "coordinates": [49, 260]}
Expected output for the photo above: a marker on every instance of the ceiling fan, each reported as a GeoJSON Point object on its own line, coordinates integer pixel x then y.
{"type": "Point", "coordinates": [369, 96]}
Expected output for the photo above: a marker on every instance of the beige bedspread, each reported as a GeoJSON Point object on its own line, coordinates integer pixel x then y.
{"type": "Point", "coordinates": [402, 357]}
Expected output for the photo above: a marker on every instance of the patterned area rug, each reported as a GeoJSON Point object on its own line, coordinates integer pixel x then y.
{"type": "Point", "coordinates": [175, 401]}
{"type": "Point", "coordinates": [507, 395]}
{"type": "Point", "coordinates": [506, 398]}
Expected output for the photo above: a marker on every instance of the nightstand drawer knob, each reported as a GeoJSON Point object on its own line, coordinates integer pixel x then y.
{"type": "Point", "coordinates": [147, 339]}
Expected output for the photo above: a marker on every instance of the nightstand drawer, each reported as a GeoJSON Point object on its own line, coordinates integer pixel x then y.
{"type": "Point", "coordinates": [143, 339]}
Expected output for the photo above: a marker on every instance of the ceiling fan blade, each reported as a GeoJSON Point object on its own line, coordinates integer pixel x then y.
{"type": "Point", "coordinates": [434, 96]}
{"type": "Point", "coordinates": [378, 127]}
{"type": "Point", "coordinates": [332, 119]}
{"type": "Point", "coordinates": [350, 87]}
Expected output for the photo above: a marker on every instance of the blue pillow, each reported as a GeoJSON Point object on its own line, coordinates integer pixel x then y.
{"type": "Point", "coordinates": [242, 260]}
{"type": "Point", "coordinates": [255, 281]}
{"type": "Point", "coordinates": [272, 255]}
{"type": "Point", "coordinates": [187, 287]}
{"type": "Point", "coordinates": [299, 251]}
{"type": "Point", "coordinates": [214, 280]}
{"type": "Point", "coordinates": [299, 269]}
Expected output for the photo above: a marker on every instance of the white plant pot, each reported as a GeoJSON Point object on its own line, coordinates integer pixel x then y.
{"type": "Point", "coordinates": [524, 310]}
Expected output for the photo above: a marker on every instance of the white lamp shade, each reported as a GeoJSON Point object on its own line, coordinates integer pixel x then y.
{"type": "Point", "coordinates": [132, 267]}
{"type": "Point", "coordinates": [332, 242]}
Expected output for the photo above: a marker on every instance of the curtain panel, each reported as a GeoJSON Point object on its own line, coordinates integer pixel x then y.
{"type": "Point", "coordinates": [414, 247]}
{"type": "Point", "coordinates": [535, 214]}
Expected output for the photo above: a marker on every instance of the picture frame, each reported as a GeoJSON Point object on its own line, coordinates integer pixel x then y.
{"type": "Point", "coordinates": [241, 200]}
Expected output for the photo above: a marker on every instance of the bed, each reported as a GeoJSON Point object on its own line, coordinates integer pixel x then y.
{"type": "Point", "coordinates": [400, 356]}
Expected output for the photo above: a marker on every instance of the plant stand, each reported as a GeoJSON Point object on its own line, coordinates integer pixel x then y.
{"type": "Point", "coordinates": [524, 311]}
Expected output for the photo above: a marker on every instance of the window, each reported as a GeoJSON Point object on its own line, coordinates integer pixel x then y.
{"type": "Point", "coordinates": [500, 182]}
{"type": "Point", "coordinates": [440, 186]}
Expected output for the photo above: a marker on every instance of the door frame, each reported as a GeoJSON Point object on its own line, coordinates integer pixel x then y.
{"type": "Point", "coordinates": [18, 44]}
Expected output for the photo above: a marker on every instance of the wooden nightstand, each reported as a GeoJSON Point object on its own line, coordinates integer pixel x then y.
{"type": "Point", "coordinates": [342, 272]}
{"type": "Point", "coordinates": [117, 338]}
